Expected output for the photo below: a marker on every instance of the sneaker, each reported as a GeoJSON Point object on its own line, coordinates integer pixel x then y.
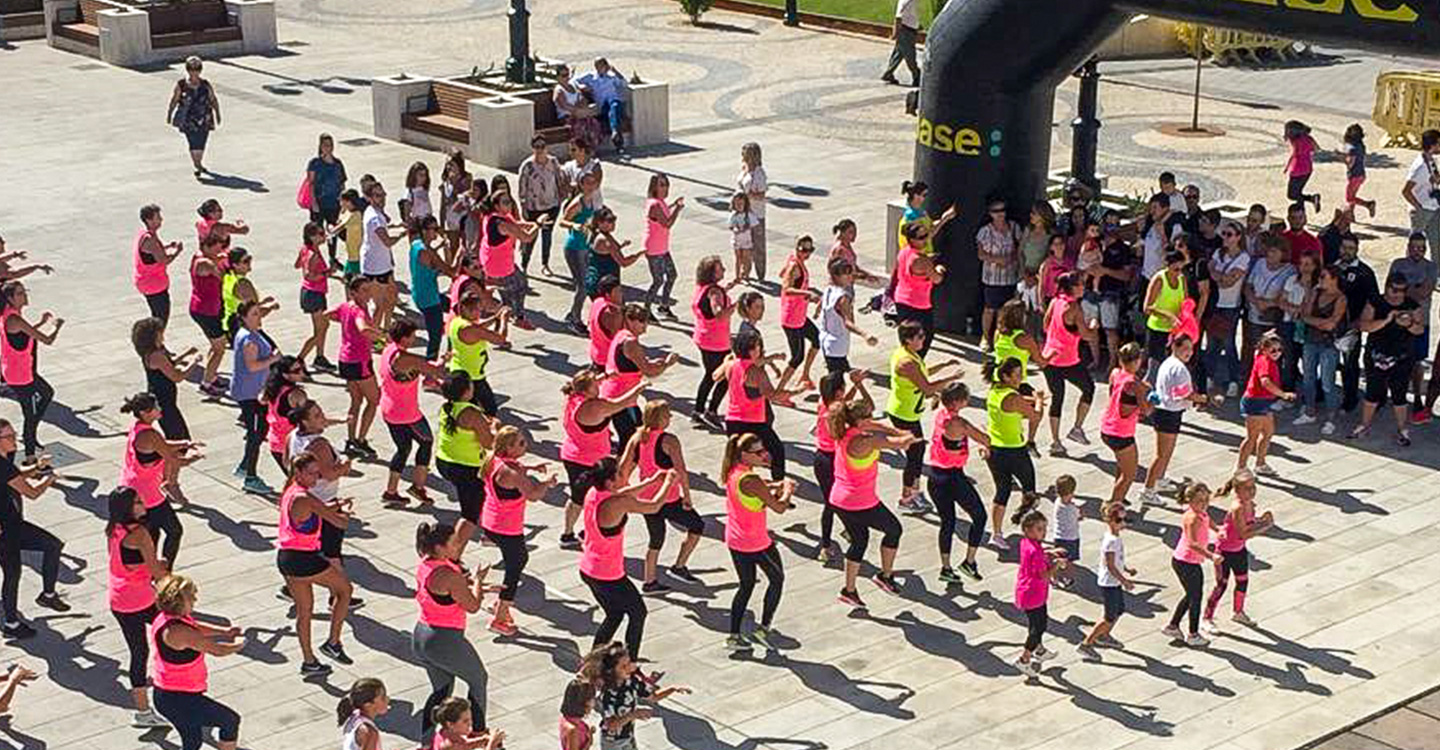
{"type": "Point", "coordinates": [1034, 449]}
{"type": "Point", "coordinates": [212, 389]}
{"type": "Point", "coordinates": [1088, 652]}
{"type": "Point", "coordinates": [1027, 668]}
{"type": "Point", "coordinates": [654, 587]}
{"type": "Point", "coordinates": [948, 575]}
{"type": "Point", "coordinates": [322, 364]}
{"type": "Point", "coordinates": [1195, 640]}
{"type": "Point", "coordinates": [1359, 432]}
{"type": "Point", "coordinates": [1166, 484]}
{"type": "Point", "coordinates": [667, 313]}
{"type": "Point", "coordinates": [1420, 416]}
{"type": "Point", "coordinates": [364, 447]}
{"type": "Point", "coordinates": [1077, 435]}
{"type": "Point", "coordinates": [761, 635]}
{"type": "Point", "coordinates": [847, 596]}
{"type": "Point", "coordinates": [503, 627]}
{"type": "Point", "coordinates": [1041, 654]}
{"type": "Point", "coordinates": [314, 669]}
{"type": "Point", "coordinates": [970, 569]}
{"type": "Point", "coordinates": [1172, 632]}
{"type": "Point", "coordinates": [257, 486]}
{"type": "Point", "coordinates": [1328, 428]}
{"type": "Point", "coordinates": [684, 574]}
{"type": "Point", "coordinates": [1149, 496]}
{"type": "Point", "coordinates": [1304, 419]}
{"type": "Point", "coordinates": [148, 719]}
{"type": "Point", "coordinates": [392, 498]}
{"type": "Point", "coordinates": [17, 629]}
{"type": "Point", "coordinates": [886, 583]}
{"type": "Point", "coordinates": [998, 542]}
{"type": "Point", "coordinates": [1402, 438]}
{"type": "Point", "coordinates": [1209, 627]}
{"type": "Point", "coordinates": [737, 642]}
{"type": "Point", "coordinates": [1109, 641]}
{"type": "Point", "coordinates": [1265, 470]}
{"type": "Point", "coordinates": [336, 653]}
{"type": "Point", "coordinates": [1240, 618]}
{"type": "Point", "coordinates": [240, 471]}
{"type": "Point", "coordinates": [52, 600]}
{"type": "Point", "coordinates": [1057, 450]}
{"type": "Point", "coordinates": [1232, 390]}
{"type": "Point", "coordinates": [284, 593]}
{"type": "Point", "coordinates": [828, 554]}
{"type": "Point", "coordinates": [913, 504]}
{"type": "Point", "coordinates": [569, 541]}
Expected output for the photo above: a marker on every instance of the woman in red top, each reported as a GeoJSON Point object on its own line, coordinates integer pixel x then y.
{"type": "Point", "coordinates": [1261, 392]}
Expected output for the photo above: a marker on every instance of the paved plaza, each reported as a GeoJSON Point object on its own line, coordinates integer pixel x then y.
{"type": "Point", "coordinates": [1349, 624]}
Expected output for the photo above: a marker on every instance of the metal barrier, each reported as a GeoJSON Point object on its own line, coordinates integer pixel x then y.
{"type": "Point", "coordinates": [1406, 104]}
{"type": "Point", "coordinates": [1227, 46]}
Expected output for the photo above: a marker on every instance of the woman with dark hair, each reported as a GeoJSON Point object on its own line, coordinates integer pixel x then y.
{"type": "Point", "coordinates": [19, 486]}
{"type": "Point", "coordinates": [796, 296]}
{"type": "Point", "coordinates": [916, 275]}
{"type": "Point", "coordinates": [314, 286]}
{"type": "Point", "coordinates": [912, 383]}
{"type": "Point", "coordinates": [303, 563]}
{"type": "Point", "coordinates": [417, 192]}
{"type": "Point", "coordinates": [833, 394]}
{"type": "Point", "coordinates": [254, 353]}
{"type": "Point", "coordinates": [163, 371]}
{"type": "Point", "coordinates": [1173, 393]}
{"type": "Point", "coordinates": [466, 433]}
{"type": "Point", "coordinates": [429, 258]}
{"type": "Point", "coordinates": [1035, 242]}
{"type": "Point", "coordinates": [470, 337]}
{"type": "Point", "coordinates": [207, 307]}
{"type": "Point", "coordinates": [400, 408]}
{"type": "Point", "coordinates": [846, 232]}
{"type": "Point", "coordinates": [497, 252]}
{"type": "Point", "coordinates": [455, 182]}
{"type": "Point", "coordinates": [212, 221]}
{"type": "Point", "coordinates": [151, 458]}
{"type": "Point", "coordinates": [576, 217]}
{"type": "Point", "coordinates": [607, 255]}
{"type": "Point", "coordinates": [949, 450]}
{"type": "Point", "coordinates": [152, 259]}
{"type": "Point", "coordinates": [627, 364]}
{"type": "Point", "coordinates": [1301, 163]}
{"type": "Point", "coordinates": [653, 449]}
{"type": "Point", "coordinates": [326, 175]}
{"type": "Point", "coordinates": [602, 559]}
{"type": "Point", "coordinates": [133, 570]}
{"type": "Point", "coordinates": [750, 395]}
{"type": "Point", "coordinates": [712, 309]}
{"type": "Point", "coordinates": [747, 533]}
{"type": "Point", "coordinates": [357, 334]}
{"type": "Point", "coordinates": [586, 422]}
{"type": "Point", "coordinates": [1065, 327]}
{"type": "Point", "coordinates": [660, 217]}
{"type": "Point", "coordinates": [195, 111]}
{"type": "Point", "coordinates": [446, 594]}
{"type": "Point", "coordinates": [541, 188]}
{"type": "Point", "coordinates": [1007, 409]}
{"type": "Point", "coordinates": [309, 437]}
{"type": "Point", "coordinates": [18, 360]}
{"type": "Point", "coordinates": [281, 396]}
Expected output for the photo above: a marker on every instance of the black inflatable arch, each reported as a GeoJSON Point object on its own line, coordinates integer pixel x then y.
{"type": "Point", "coordinates": [990, 72]}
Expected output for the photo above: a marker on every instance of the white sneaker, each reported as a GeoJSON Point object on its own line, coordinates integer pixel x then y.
{"type": "Point", "coordinates": [1209, 627]}
{"type": "Point", "coordinates": [1328, 428]}
{"type": "Point", "coordinates": [1197, 641]}
{"type": "Point", "coordinates": [1041, 654]}
{"type": "Point", "coordinates": [1172, 632]}
{"type": "Point", "coordinates": [998, 542]}
{"type": "Point", "coordinates": [148, 719]}
{"type": "Point", "coordinates": [1240, 618]}
{"type": "Point", "coordinates": [1166, 484]}
{"type": "Point", "coordinates": [1027, 668]}
{"type": "Point", "coordinates": [1077, 435]}
{"type": "Point", "coordinates": [1232, 390]}
{"type": "Point", "coordinates": [1265, 470]}
{"type": "Point", "coordinates": [1149, 497]}
{"type": "Point", "coordinates": [1304, 419]}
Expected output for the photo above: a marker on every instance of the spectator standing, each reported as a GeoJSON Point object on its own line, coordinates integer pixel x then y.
{"type": "Point", "coordinates": [1331, 235]}
{"type": "Point", "coordinates": [583, 162]}
{"type": "Point", "coordinates": [1325, 319]}
{"type": "Point", "coordinates": [608, 88]}
{"type": "Point", "coordinates": [752, 182]}
{"type": "Point", "coordinates": [1301, 241]}
{"type": "Point", "coordinates": [1264, 291]}
{"type": "Point", "coordinates": [541, 182]}
{"type": "Point", "coordinates": [1257, 222]}
{"type": "Point", "coordinates": [1422, 191]}
{"type": "Point", "coordinates": [1391, 322]}
{"type": "Point", "coordinates": [327, 177]}
{"type": "Point", "coordinates": [194, 110]}
{"type": "Point", "coordinates": [906, 33]}
{"type": "Point", "coordinates": [1229, 267]}
{"type": "Point", "coordinates": [1419, 276]}
{"type": "Point", "coordinates": [1358, 283]}
{"type": "Point", "coordinates": [1161, 223]}
{"type": "Point", "coordinates": [998, 245]}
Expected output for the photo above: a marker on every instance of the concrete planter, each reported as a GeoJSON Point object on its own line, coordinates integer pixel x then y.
{"type": "Point", "coordinates": [21, 19]}
{"type": "Point", "coordinates": [147, 34]}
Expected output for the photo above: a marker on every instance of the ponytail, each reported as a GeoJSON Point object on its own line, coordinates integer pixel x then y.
{"type": "Point", "coordinates": [431, 535]}
{"type": "Point", "coordinates": [363, 692]}
{"type": "Point", "coordinates": [1021, 517]}
{"type": "Point", "coordinates": [734, 447]}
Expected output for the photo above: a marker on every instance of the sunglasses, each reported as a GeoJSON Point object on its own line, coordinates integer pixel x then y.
{"type": "Point", "coordinates": [1229, 233]}
{"type": "Point", "coordinates": [1000, 210]}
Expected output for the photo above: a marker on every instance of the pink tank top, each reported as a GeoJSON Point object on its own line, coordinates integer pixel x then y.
{"type": "Point", "coordinates": [944, 452]}
{"type": "Point", "coordinates": [188, 677]}
{"type": "Point", "coordinates": [743, 403]}
{"type": "Point", "coordinates": [1183, 552]}
{"type": "Point", "coordinates": [599, 340]}
{"type": "Point", "coordinates": [711, 334]}
{"type": "Point", "coordinates": [498, 260]}
{"type": "Point", "coordinates": [746, 529]}
{"type": "Point", "coordinates": [399, 399]}
{"type": "Point", "coordinates": [314, 270]}
{"type": "Point", "coordinates": [150, 278]}
{"type": "Point", "coordinates": [436, 614]}
{"type": "Point", "coordinates": [619, 380]}
{"type": "Point", "coordinates": [823, 442]}
{"type": "Point", "coordinates": [649, 467]}
{"type": "Point", "coordinates": [145, 479]}
{"type": "Point", "coordinates": [603, 557]}
{"type": "Point", "coordinates": [304, 537]}
{"type": "Point", "coordinates": [657, 235]}
{"type": "Point", "coordinates": [277, 436]}
{"type": "Point", "coordinates": [1114, 422]}
{"type": "Point", "coordinates": [854, 487]}
{"type": "Point", "coordinates": [1230, 538]}
{"type": "Point", "coordinates": [793, 306]}
{"type": "Point", "coordinates": [1062, 346]}
{"type": "Point", "coordinates": [17, 365]}
{"type": "Point", "coordinates": [354, 347]}
{"type": "Point", "coordinates": [579, 446]}
{"type": "Point", "coordinates": [1050, 282]}
{"type": "Point", "coordinates": [130, 587]}
{"type": "Point", "coordinates": [502, 515]}
{"type": "Point", "coordinates": [203, 228]}
{"type": "Point", "coordinates": [911, 289]}
{"type": "Point", "coordinates": [205, 292]}
{"type": "Point", "coordinates": [578, 723]}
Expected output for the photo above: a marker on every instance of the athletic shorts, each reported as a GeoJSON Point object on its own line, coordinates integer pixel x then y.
{"type": "Point", "coordinates": [296, 563]}
{"type": "Point", "coordinates": [352, 268]}
{"type": "Point", "coordinates": [1114, 599]}
{"type": "Point", "coordinates": [1256, 406]}
{"type": "Point", "coordinates": [312, 301]}
{"type": "Point", "coordinates": [210, 325]}
{"type": "Point", "coordinates": [996, 295]}
{"type": "Point", "coordinates": [353, 371]}
{"type": "Point", "coordinates": [1105, 310]}
{"type": "Point", "coordinates": [1117, 444]}
{"type": "Point", "coordinates": [1166, 422]}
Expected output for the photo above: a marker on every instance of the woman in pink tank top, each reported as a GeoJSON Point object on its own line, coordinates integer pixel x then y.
{"type": "Point", "coordinates": [1064, 329]}
{"type": "Point", "coordinates": [17, 360]}
{"type": "Point", "coordinates": [281, 396]}
{"type": "Point", "coordinates": [857, 456]}
{"type": "Point", "coordinates": [750, 394]}
{"type": "Point", "coordinates": [151, 260]}
{"type": "Point", "coordinates": [585, 419]}
{"type": "Point", "coordinates": [304, 566]}
{"type": "Point", "coordinates": [179, 646]}
{"type": "Point", "coordinates": [207, 307]}
{"type": "Point", "coordinates": [400, 371]}
{"type": "Point", "coordinates": [509, 486]}
{"type": "Point", "coordinates": [949, 450]}
{"type": "Point", "coordinates": [659, 218]}
{"type": "Point", "coordinates": [652, 450]}
{"type": "Point", "coordinates": [1127, 403]}
{"type": "Point", "coordinates": [499, 231]}
{"type": "Point", "coordinates": [712, 309]}
{"type": "Point", "coordinates": [846, 232]}
{"type": "Point", "coordinates": [133, 569]}
{"type": "Point", "coordinates": [149, 459]}
{"type": "Point", "coordinates": [916, 275]}
{"type": "Point", "coordinates": [357, 337]}
{"type": "Point", "coordinates": [627, 364]}
{"type": "Point", "coordinates": [1192, 549]}
{"type": "Point", "coordinates": [834, 393]}
{"type": "Point", "coordinates": [212, 222]}
{"type": "Point", "coordinates": [747, 533]}
{"type": "Point", "coordinates": [605, 320]}
{"type": "Point", "coordinates": [796, 296]}
{"type": "Point", "coordinates": [602, 557]}
{"type": "Point", "coordinates": [1241, 524]}
{"type": "Point", "coordinates": [314, 286]}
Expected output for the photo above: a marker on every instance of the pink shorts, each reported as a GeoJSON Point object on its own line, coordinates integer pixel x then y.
{"type": "Point", "coordinates": [1352, 189]}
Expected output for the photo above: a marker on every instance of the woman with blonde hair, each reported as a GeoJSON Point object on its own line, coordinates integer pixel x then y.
{"type": "Point", "coordinates": [178, 673]}
{"type": "Point", "coordinates": [509, 486]}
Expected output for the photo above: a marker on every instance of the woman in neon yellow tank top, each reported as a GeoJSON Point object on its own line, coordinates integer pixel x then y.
{"type": "Point", "coordinates": [910, 385]}
{"type": "Point", "coordinates": [1007, 409]}
{"type": "Point", "coordinates": [1013, 340]}
{"type": "Point", "coordinates": [1163, 299]}
{"type": "Point", "coordinates": [471, 332]}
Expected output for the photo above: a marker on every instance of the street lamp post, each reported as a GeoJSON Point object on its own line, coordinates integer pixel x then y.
{"type": "Point", "coordinates": [1086, 126]}
{"type": "Point", "coordinates": [519, 68]}
{"type": "Point", "coordinates": [792, 17]}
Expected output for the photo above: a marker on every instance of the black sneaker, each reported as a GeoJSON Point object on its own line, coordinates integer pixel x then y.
{"type": "Point", "coordinates": [969, 568]}
{"type": "Point", "coordinates": [284, 593]}
{"type": "Point", "coordinates": [322, 364]}
{"type": "Point", "coordinates": [364, 447]}
{"type": "Point", "coordinates": [852, 597]}
{"type": "Point", "coordinates": [654, 587]}
{"type": "Point", "coordinates": [17, 629]}
{"type": "Point", "coordinates": [335, 652]}
{"type": "Point", "coordinates": [684, 574]}
{"type": "Point", "coordinates": [315, 668]}
{"type": "Point", "coordinates": [569, 541]}
{"type": "Point", "coordinates": [52, 600]}
{"type": "Point", "coordinates": [887, 583]}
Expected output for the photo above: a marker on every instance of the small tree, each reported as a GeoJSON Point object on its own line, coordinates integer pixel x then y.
{"type": "Point", "coordinates": [695, 8]}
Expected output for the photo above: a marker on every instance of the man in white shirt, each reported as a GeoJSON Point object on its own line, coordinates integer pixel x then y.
{"type": "Point", "coordinates": [377, 259]}
{"type": "Point", "coordinates": [608, 88]}
{"type": "Point", "coordinates": [907, 32]}
{"type": "Point", "coordinates": [1419, 192]}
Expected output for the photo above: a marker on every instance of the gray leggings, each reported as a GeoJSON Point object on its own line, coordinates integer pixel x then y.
{"type": "Point", "coordinates": [512, 292]}
{"type": "Point", "coordinates": [447, 655]}
{"type": "Point", "coordinates": [577, 259]}
{"type": "Point", "coordinates": [662, 279]}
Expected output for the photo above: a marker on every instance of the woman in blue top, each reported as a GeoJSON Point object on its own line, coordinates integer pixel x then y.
{"type": "Point", "coordinates": [426, 265]}
{"type": "Point", "coordinates": [327, 181]}
{"type": "Point", "coordinates": [254, 353]}
{"type": "Point", "coordinates": [576, 217]}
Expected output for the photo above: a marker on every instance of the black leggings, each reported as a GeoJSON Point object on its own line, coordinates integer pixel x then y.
{"type": "Point", "coordinates": [1237, 562]}
{"type": "Point", "coordinates": [1295, 188]}
{"type": "Point", "coordinates": [914, 454]}
{"type": "Point", "coordinates": [192, 712]}
{"type": "Point", "coordinates": [23, 536]}
{"type": "Point", "coordinates": [161, 519]}
{"type": "Point", "coordinates": [484, 397]}
{"type": "Point", "coordinates": [824, 465]}
{"type": "Point", "coordinates": [710, 391]}
{"type": "Point", "coordinates": [1036, 622]}
{"type": "Point", "coordinates": [579, 478]}
{"type": "Point", "coordinates": [1056, 378]}
{"type": "Point", "coordinates": [858, 524]}
{"type": "Point", "coordinates": [159, 304]}
{"type": "Point", "coordinates": [619, 599]}
{"type": "Point", "coordinates": [332, 540]}
{"type": "Point", "coordinates": [1192, 578]}
{"type": "Point", "coordinates": [252, 417]}
{"type": "Point", "coordinates": [773, 445]}
{"type": "Point", "coordinates": [404, 435]}
{"type": "Point", "coordinates": [516, 556]}
{"type": "Point", "coordinates": [949, 487]}
{"type": "Point", "coordinates": [795, 338]}
{"type": "Point", "coordinates": [133, 626]}
{"type": "Point", "coordinates": [767, 560]}
{"type": "Point", "coordinates": [672, 512]}
{"type": "Point", "coordinates": [626, 422]}
{"type": "Point", "coordinates": [469, 490]}
{"type": "Point", "coordinates": [34, 398]}
{"type": "Point", "coordinates": [1008, 466]}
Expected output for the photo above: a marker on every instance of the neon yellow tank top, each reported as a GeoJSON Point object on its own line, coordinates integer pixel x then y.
{"type": "Point", "coordinates": [1005, 348]}
{"type": "Point", "coordinates": [1006, 428]}
{"type": "Point", "coordinates": [227, 295]}
{"type": "Point", "coordinates": [906, 402]}
{"type": "Point", "coordinates": [1169, 299]}
{"type": "Point", "coordinates": [469, 358]}
{"type": "Point", "coordinates": [456, 445]}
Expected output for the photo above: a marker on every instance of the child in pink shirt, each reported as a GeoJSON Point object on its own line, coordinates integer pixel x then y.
{"type": "Point", "coordinates": [1032, 589]}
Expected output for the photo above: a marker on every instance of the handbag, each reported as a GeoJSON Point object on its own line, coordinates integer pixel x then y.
{"type": "Point", "coordinates": [1346, 342]}
{"type": "Point", "coordinates": [305, 196]}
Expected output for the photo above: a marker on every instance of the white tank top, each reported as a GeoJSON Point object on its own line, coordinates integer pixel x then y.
{"type": "Point", "coordinates": [353, 724]}
{"type": "Point", "coordinates": [324, 489]}
{"type": "Point", "coordinates": [834, 336]}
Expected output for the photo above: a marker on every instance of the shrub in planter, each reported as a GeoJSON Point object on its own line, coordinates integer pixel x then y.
{"type": "Point", "coordinates": [695, 8]}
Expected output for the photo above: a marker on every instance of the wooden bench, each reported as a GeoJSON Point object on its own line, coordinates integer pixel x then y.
{"type": "Point", "coordinates": [195, 22]}
{"type": "Point", "coordinates": [448, 115]}
{"type": "Point", "coordinates": [21, 13]}
{"type": "Point", "coordinates": [87, 29]}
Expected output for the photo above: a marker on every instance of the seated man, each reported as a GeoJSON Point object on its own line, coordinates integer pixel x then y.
{"type": "Point", "coordinates": [607, 87]}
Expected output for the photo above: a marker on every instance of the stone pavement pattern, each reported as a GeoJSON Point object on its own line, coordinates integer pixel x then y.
{"type": "Point", "coordinates": [1414, 726]}
{"type": "Point", "coordinates": [1341, 589]}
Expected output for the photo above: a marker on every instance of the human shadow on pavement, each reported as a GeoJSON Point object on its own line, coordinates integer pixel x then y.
{"type": "Point", "coordinates": [260, 644]}
{"type": "Point", "coordinates": [694, 733]}
{"type": "Point", "coordinates": [72, 422]}
{"type": "Point", "coordinates": [231, 182]}
{"type": "Point", "coordinates": [24, 741]}
{"type": "Point", "coordinates": [240, 533]}
{"type": "Point", "coordinates": [828, 679]}
{"type": "Point", "coordinates": [935, 640]}
{"type": "Point", "coordinates": [574, 618]}
{"type": "Point", "coordinates": [377, 636]}
{"type": "Point", "coordinates": [564, 653]}
{"type": "Point", "coordinates": [1328, 660]}
{"type": "Point", "coordinates": [1133, 716]}
{"type": "Point", "coordinates": [1178, 675]}
{"type": "Point", "coordinates": [76, 668]}
{"type": "Point", "coordinates": [365, 574]}
{"type": "Point", "coordinates": [82, 495]}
